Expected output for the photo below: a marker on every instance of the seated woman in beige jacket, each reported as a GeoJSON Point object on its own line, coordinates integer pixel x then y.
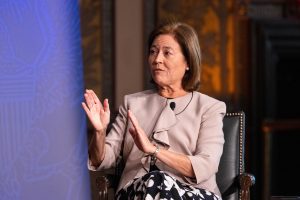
{"type": "Point", "coordinates": [171, 137]}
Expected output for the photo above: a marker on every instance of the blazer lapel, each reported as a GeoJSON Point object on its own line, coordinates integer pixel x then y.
{"type": "Point", "coordinates": [165, 121]}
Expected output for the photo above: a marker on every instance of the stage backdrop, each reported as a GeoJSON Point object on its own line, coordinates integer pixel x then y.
{"type": "Point", "coordinates": [42, 126]}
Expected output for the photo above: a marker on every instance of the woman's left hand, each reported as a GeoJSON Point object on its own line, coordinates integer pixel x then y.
{"type": "Point", "coordinates": [139, 136]}
{"type": "Point", "coordinates": [179, 162]}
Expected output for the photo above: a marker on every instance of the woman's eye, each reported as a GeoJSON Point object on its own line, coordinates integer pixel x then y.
{"type": "Point", "coordinates": [152, 51]}
{"type": "Point", "coordinates": [168, 53]}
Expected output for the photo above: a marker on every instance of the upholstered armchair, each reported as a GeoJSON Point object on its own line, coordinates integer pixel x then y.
{"type": "Point", "coordinates": [232, 180]}
{"type": "Point", "coordinates": [234, 183]}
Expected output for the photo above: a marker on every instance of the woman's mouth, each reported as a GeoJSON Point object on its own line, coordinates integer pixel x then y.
{"type": "Point", "coordinates": [157, 70]}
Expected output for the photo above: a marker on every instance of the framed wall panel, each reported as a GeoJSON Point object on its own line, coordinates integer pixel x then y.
{"type": "Point", "coordinates": [281, 163]}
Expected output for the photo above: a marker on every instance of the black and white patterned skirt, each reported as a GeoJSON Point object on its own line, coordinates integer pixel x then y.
{"type": "Point", "coordinates": [159, 185]}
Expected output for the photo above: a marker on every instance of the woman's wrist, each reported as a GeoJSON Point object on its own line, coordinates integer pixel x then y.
{"type": "Point", "coordinates": [100, 131]}
{"type": "Point", "coordinates": [153, 155]}
{"type": "Point", "coordinates": [155, 152]}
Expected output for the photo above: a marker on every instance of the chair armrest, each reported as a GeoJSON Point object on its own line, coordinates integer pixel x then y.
{"type": "Point", "coordinates": [103, 183]}
{"type": "Point", "coordinates": [246, 180]}
{"type": "Point", "coordinates": [109, 179]}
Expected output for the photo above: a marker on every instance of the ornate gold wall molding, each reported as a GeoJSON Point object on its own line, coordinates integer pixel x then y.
{"type": "Point", "coordinates": [91, 43]}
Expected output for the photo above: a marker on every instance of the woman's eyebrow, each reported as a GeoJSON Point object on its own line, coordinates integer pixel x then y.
{"type": "Point", "coordinates": [163, 47]}
{"type": "Point", "coordinates": [167, 47]}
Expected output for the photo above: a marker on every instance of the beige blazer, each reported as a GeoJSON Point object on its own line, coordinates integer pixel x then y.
{"type": "Point", "coordinates": [193, 128]}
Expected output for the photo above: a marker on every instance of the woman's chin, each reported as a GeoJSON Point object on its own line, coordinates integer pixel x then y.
{"type": "Point", "coordinates": [159, 82]}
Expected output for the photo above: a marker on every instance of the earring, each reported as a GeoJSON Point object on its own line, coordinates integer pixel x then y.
{"type": "Point", "coordinates": [187, 69]}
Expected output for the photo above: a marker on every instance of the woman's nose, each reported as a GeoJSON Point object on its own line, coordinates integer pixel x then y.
{"type": "Point", "coordinates": [158, 58]}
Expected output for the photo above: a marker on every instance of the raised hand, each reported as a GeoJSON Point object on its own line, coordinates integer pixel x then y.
{"type": "Point", "coordinates": [139, 136]}
{"type": "Point", "coordinates": [98, 114]}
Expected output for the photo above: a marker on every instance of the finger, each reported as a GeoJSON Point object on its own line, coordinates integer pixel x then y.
{"type": "Point", "coordinates": [132, 133]}
{"type": "Point", "coordinates": [133, 119]}
{"type": "Point", "coordinates": [95, 98]}
{"type": "Point", "coordinates": [86, 109]}
{"type": "Point", "coordinates": [88, 99]}
{"type": "Point", "coordinates": [106, 105]}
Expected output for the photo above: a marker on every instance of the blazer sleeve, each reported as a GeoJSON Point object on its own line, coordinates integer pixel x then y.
{"type": "Point", "coordinates": [205, 160]}
{"type": "Point", "coordinates": [114, 140]}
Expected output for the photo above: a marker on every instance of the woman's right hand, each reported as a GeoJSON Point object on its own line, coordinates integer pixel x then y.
{"type": "Point", "coordinates": [98, 114]}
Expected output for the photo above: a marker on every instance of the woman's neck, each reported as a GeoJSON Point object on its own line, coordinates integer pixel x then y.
{"type": "Point", "coordinates": [171, 92]}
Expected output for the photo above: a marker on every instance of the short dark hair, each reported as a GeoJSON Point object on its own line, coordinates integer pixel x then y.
{"type": "Point", "coordinates": [188, 41]}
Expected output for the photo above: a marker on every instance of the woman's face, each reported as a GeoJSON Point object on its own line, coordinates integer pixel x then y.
{"type": "Point", "coordinates": [167, 62]}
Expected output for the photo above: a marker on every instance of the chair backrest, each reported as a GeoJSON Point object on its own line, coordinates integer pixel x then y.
{"type": "Point", "coordinates": [232, 160]}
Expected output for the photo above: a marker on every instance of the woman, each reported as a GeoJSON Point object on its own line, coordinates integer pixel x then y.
{"type": "Point", "coordinates": [171, 138]}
